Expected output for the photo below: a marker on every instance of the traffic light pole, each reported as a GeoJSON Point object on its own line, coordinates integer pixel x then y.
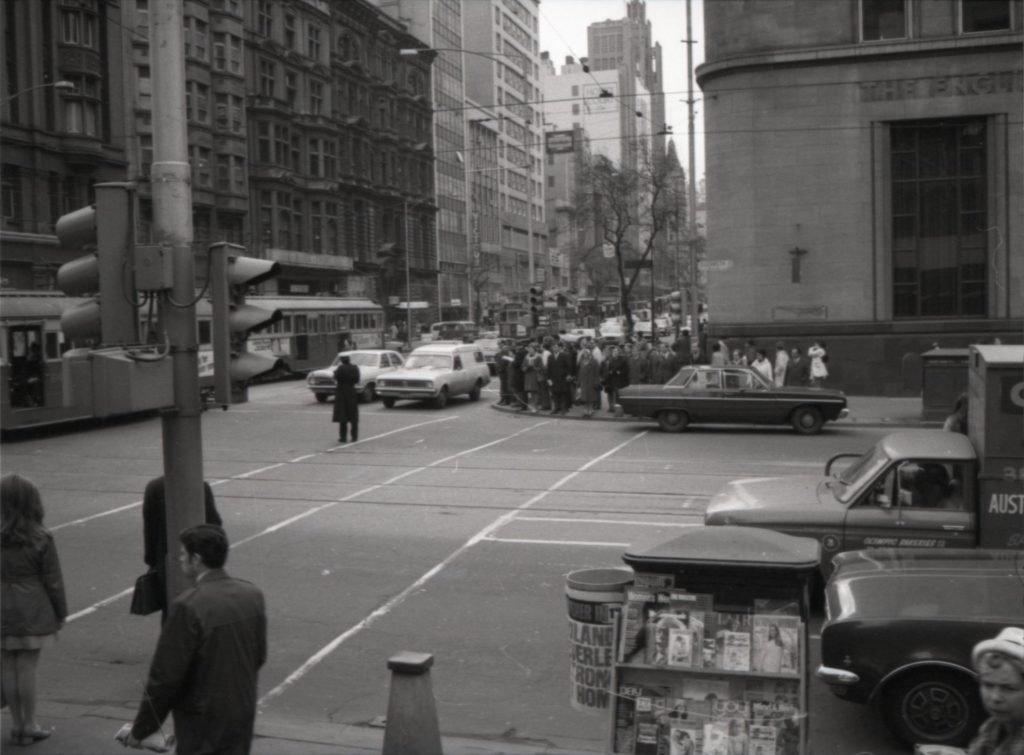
{"type": "Point", "coordinates": [170, 178]}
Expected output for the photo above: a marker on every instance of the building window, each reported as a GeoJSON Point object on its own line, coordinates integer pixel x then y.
{"type": "Point", "coordinates": [227, 52]}
{"type": "Point", "coordinates": [290, 25]}
{"type": "Point", "coordinates": [143, 88]}
{"type": "Point", "coordinates": [145, 153]}
{"type": "Point", "coordinates": [78, 27]}
{"type": "Point", "coordinates": [202, 170]}
{"type": "Point", "coordinates": [883, 19]}
{"type": "Point", "coordinates": [228, 112]}
{"type": "Point", "coordinates": [197, 102]}
{"type": "Point", "coordinates": [82, 107]}
{"type": "Point", "coordinates": [264, 18]}
{"type": "Point", "coordinates": [264, 143]}
{"type": "Point", "coordinates": [316, 97]}
{"type": "Point", "coordinates": [10, 178]}
{"type": "Point", "coordinates": [230, 174]}
{"type": "Point", "coordinates": [291, 89]}
{"type": "Point", "coordinates": [939, 218]}
{"type": "Point", "coordinates": [313, 42]}
{"type": "Point", "coordinates": [984, 15]}
{"type": "Point", "coordinates": [196, 38]}
{"type": "Point", "coordinates": [142, 17]}
{"type": "Point", "coordinates": [282, 138]}
{"type": "Point", "coordinates": [268, 74]}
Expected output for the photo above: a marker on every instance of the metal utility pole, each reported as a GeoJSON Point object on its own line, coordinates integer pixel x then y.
{"type": "Point", "coordinates": [691, 199]}
{"type": "Point", "coordinates": [408, 283]}
{"type": "Point", "coordinates": [171, 182]}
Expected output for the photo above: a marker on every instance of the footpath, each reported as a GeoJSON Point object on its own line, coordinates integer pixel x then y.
{"type": "Point", "coordinates": [83, 729]}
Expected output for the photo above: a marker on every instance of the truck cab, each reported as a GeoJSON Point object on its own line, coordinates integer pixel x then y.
{"type": "Point", "coordinates": [915, 488]}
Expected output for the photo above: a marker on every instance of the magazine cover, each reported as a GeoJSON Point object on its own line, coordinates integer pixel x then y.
{"type": "Point", "coordinates": [776, 644]}
{"type": "Point", "coordinates": [771, 700]}
{"type": "Point", "coordinates": [728, 708]}
{"type": "Point", "coordinates": [734, 651]}
{"type": "Point", "coordinates": [652, 706]}
{"type": "Point", "coordinates": [675, 611]}
{"type": "Point", "coordinates": [625, 717]}
{"type": "Point", "coordinates": [685, 738]}
{"type": "Point", "coordinates": [725, 738]}
{"type": "Point", "coordinates": [633, 619]}
{"type": "Point", "coordinates": [762, 740]}
{"type": "Point", "coordinates": [680, 648]}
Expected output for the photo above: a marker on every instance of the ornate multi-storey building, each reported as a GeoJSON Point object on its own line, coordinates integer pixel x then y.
{"type": "Point", "coordinates": [309, 135]}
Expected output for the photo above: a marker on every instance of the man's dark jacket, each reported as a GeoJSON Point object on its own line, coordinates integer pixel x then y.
{"type": "Point", "coordinates": [346, 400]}
{"type": "Point", "coordinates": [205, 667]}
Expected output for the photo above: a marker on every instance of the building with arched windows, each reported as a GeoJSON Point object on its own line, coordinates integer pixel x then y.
{"type": "Point", "coordinates": [864, 178]}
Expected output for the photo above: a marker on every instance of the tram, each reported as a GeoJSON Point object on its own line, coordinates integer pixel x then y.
{"type": "Point", "coordinates": [310, 333]}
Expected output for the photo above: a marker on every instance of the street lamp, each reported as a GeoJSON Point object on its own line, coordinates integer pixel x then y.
{"type": "Point", "coordinates": [67, 86]}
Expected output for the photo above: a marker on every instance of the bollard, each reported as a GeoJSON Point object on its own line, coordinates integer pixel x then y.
{"type": "Point", "coordinates": [411, 726]}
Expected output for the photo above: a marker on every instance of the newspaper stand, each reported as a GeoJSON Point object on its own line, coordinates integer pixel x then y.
{"type": "Point", "coordinates": [712, 645]}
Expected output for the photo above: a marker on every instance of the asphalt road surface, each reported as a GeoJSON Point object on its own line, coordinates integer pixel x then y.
{"type": "Point", "coordinates": [449, 532]}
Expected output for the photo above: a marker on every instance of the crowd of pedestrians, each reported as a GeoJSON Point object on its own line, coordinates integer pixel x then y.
{"type": "Point", "coordinates": [551, 374]}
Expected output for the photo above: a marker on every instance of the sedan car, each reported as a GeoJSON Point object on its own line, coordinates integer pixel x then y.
{"type": "Point", "coordinates": [371, 363]}
{"type": "Point", "coordinates": [900, 624]}
{"type": "Point", "coordinates": [733, 395]}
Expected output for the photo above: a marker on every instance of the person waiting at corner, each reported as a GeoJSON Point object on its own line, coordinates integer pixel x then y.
{"type": "Point", "coordinates": [1000, 666]}
{"type": "Point", "coordinates": [614, 376]}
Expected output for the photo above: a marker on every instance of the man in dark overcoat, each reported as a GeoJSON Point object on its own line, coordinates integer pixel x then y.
{"type": "Point", "coordinates": [205, 668]}
{"type": "Point", "coordinates": [561, 373]}
{"type": "Point", "coordinates": [503, 364]}
{"type": "Point", "coordinates": [346, 399]}
{"type": "Point", "coordinates": [517, 380]}
{"type": "Point", "coordinates": [154, 530]}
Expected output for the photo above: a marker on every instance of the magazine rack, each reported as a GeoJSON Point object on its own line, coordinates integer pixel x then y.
{"type": "Point", "coordinates": [712, 653]}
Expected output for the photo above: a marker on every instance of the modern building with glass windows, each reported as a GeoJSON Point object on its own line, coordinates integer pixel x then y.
{"type": "Point", "coordinates": [864, 178]}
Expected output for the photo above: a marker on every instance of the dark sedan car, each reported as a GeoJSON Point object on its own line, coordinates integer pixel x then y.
{"type": "Point", "coordinates": [899, 628]}
{"type": "Point", "coordinates": [734, 395]}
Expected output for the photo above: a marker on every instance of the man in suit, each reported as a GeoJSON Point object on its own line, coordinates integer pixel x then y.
{"type": "Point", "coordinates": [346, 400]}
{"type": "Point", "coordinates": [561, 373]}
{"type": "Point", "coordinates": [205, 667]}
{"type": "Point", "coordinates": [154, 531]}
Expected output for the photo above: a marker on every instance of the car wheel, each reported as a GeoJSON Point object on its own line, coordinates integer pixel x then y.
{"type": "Point", "coordinates": [807, 420]}
{"type": "Point", "coordinates": [389, 402]}
{"type": "Point", "coordinates": [369, 393]}
{"type": "Point", "coordinates": [441, 399]}
{"type": "Point", "coordinates": [934, 707]}
{"type": "Point", "coordinates": [321, 397]}
{"type": "Point", "coordinates": [474, 395]}
{"type": "Point", "coordinates": [673, 420]}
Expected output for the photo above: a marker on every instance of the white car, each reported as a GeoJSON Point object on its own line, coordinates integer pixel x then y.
{"type": "Point", "coordinates": [372, 363]}
{"type": "Point", "coordinates": [435, 372]}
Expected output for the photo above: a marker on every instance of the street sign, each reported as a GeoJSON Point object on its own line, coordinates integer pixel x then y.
{"type": "Point", "coordinates": [714, 264]}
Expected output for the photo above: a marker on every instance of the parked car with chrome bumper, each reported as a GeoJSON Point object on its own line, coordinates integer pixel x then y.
{"type": "Point", "coordinates": [734, 395]}
{"type": "Point", "coordinates": [899, 629]}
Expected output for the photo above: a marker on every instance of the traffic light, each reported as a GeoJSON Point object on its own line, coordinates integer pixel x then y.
{"type": "Point", "coordinates": [232, 320]}
{"type": "Point", "coordinates": [675, 306]}
{"type": "Point", "coordinates": [536, 300]}
{"type": "Point", "coordinates": [106, 273]}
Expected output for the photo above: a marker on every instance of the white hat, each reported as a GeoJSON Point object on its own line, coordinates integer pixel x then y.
{"type": "Point", "coordinates": [1009, 642]}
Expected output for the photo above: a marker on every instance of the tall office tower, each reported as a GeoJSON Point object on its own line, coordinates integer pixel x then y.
{"type": "Point", "coordinates": [627, 42]}
{"type": "Point", "coordinates": [439, 25]}
{"type": "Point", "coordinates": [505, 77]}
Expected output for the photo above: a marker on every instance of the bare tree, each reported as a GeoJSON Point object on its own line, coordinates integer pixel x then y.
{"type": "Point", "coordinates": [631, 209]}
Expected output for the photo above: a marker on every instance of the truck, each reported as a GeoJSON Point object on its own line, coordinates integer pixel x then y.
{"type": "Point", "coordinates": [925, 488]}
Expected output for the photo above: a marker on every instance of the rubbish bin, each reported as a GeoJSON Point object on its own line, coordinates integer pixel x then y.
{"type": "Point", "coordinates": [943, 378]}
{"type": "Point", "coordinates": [592, 596]}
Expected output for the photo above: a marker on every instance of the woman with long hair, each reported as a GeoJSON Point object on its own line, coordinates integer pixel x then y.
{"type": "Point", "coordinates": [32, 602]}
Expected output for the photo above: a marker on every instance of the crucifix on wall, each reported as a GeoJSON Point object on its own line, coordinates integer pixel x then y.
{"type": "Point", "coordinates": [796, 253]}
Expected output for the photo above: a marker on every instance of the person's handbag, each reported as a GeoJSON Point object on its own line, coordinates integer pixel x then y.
{"type": "Point", "coordinates": [148, 596]}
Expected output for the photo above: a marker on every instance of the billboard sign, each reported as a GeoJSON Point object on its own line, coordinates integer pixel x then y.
{"type": "Point", "coordinates": [560, 142]}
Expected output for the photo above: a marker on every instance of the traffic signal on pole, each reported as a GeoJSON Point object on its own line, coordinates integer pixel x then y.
{"type": "Point", "coordinates": [675, 306]}
{"type": "Point", "coordinates": [231, 274]}
{"type": "Point", "coordinates": [105, 273]}
{"type": "Point", "coordinates": [536, 300]}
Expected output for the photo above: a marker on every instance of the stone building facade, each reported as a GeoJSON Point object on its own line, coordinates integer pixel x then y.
{"type": "Point", "coordinates": [864, 178]}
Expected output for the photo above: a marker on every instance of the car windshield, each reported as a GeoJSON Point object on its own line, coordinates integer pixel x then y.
{"type": "Point", "coordinates": [361, 358]}
{"type": "Point", "coordinates": [440, 361]}
{"type": "Point", "coordinates": [852, 479]}
{"type": "Point", "coordinates": [682, 376]}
